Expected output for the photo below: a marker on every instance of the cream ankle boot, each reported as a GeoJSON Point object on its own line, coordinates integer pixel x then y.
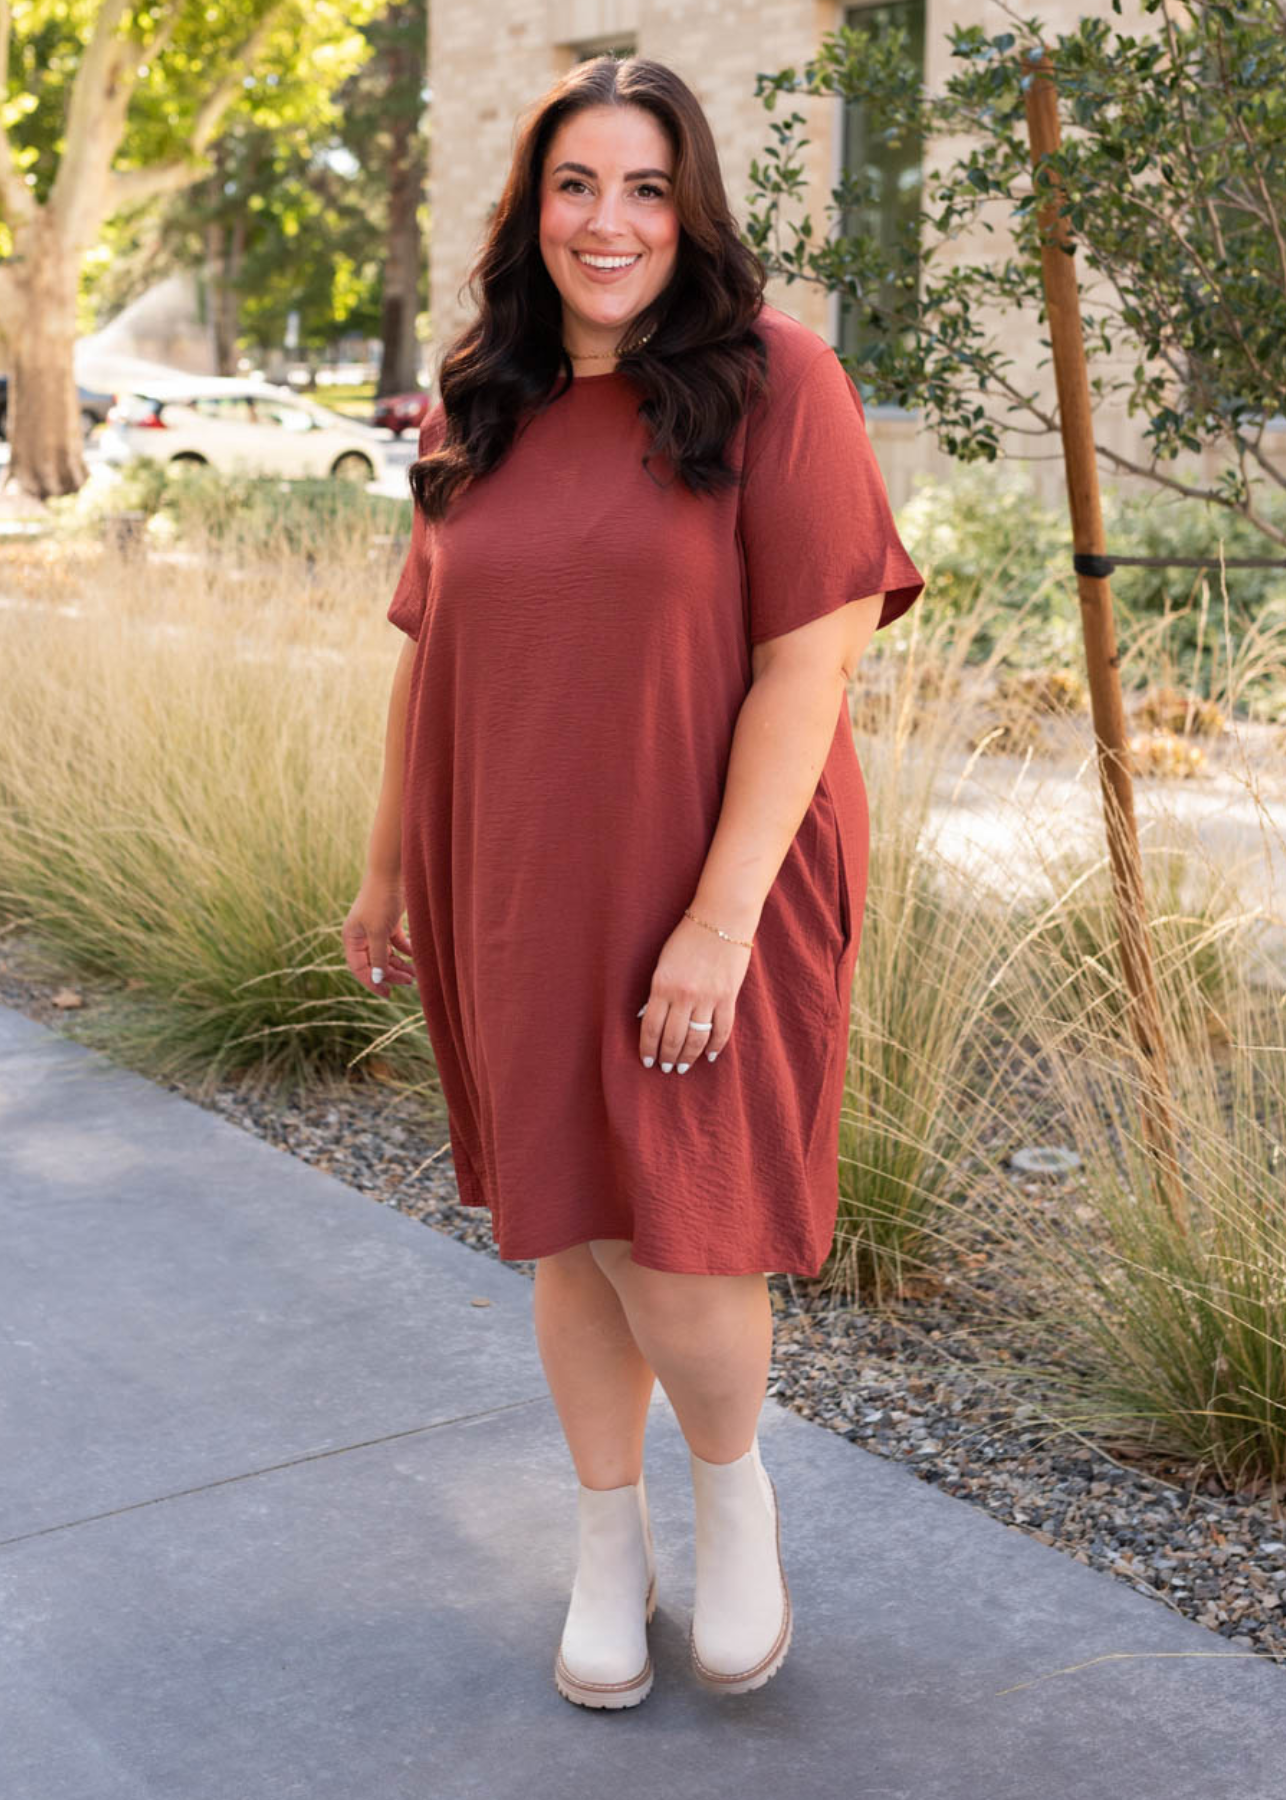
{"type": "Point", "coordinates": [603, 1658]}
{"type": "Point", "coordinates": [741, 1621]}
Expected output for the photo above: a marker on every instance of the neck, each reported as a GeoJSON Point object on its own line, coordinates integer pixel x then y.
{"type": "Point", "coordinates": [589, 356]}
{"type": "Point", "coordinates": [601, 357]}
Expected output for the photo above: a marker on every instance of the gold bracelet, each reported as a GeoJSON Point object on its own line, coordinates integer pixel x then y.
{"type": "Point", "coordinates": [689, 914]}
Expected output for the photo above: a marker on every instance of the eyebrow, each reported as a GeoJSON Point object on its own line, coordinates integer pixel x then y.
{"type": "Point", "coordinates": [634, 174]}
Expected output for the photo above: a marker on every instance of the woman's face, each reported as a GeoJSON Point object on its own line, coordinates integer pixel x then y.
{"type": "Point", "coordinates": [606, 190]}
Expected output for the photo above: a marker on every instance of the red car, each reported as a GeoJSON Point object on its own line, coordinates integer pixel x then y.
{"type": "Point", "coordinates": [402, 412]}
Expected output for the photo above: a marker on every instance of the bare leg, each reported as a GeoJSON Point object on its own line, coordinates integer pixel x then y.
{"type": "Point", "coordinates": [600, 1380]}
{"type": "Point", "coordinates": [709, 1339]}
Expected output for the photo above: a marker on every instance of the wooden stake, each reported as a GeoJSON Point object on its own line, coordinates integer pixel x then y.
{"type": "Point", "coordinates": [1075, 417]}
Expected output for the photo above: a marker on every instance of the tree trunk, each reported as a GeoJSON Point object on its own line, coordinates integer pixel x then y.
{"type": "Point", "coordinates": [399, 361]}
{"type": "Point", "coordinates": [224, 252]}
{"type": "Point", "coordinates": [226, 297]}
{"type": "Point", "coordinates": [46, 445]}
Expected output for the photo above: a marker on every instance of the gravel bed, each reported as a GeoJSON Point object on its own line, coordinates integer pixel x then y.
{"type": "Point", "coordinates": [901, 1383]}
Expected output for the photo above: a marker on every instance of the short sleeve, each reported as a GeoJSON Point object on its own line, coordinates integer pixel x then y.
{"type": "Point", "coordinates": [814, 516]}
{"type": "Point", "coordinates": [406, 609]}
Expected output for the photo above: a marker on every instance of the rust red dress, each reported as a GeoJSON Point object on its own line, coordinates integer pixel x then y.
{"type": "Point", "coordinates": [583, 648]}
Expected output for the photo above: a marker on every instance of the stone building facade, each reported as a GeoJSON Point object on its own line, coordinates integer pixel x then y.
{"type": "Point", "coordinates": [489, 60]}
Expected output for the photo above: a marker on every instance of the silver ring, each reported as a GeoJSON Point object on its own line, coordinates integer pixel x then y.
{"type": "Point", "coordinates": [700, 1024]}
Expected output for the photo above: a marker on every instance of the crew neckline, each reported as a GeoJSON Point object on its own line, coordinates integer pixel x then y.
{"type": "Point", "coordinates": [603, 375]}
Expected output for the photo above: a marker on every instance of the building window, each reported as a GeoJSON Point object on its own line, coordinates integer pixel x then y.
{"type": "Point", "coordinates": [887, 176]}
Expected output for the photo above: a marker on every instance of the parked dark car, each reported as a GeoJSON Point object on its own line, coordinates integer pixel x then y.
{"type": "Point", "coordinates": [93, 407]}
{"type": "Point", "coordinates": [402, 412]}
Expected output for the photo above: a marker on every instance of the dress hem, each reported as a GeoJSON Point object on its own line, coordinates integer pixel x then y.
{"type": "Point", "coordinates": [807, 1274]}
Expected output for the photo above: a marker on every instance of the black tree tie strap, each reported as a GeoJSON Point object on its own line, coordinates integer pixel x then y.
{"type": "Point", "coordinates": [1085, 562]}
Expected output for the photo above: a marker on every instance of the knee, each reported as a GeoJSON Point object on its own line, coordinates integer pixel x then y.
{"type": "Point", "coordinates": [681, 1305]}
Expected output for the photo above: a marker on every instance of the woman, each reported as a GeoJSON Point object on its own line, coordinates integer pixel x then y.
{"type": "Point", "coordinates": [623, 811]}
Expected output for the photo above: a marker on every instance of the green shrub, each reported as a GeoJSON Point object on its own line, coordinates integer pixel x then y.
{"type": "Point", "coordinates": [987, 533]}
{"type": "Point", "coordinates": [987, 540]}
{"type": "Point", "coordinates": [246, 515]}
{"type": "Point", "coordinates": [262, 515]}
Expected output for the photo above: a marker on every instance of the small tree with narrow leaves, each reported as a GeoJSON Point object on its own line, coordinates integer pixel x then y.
{"type": "Point", "coordinates": [1173, 174]}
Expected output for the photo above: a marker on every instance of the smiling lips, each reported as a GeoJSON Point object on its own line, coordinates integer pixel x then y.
{"type": "Point", "coordinates": [605, 265]}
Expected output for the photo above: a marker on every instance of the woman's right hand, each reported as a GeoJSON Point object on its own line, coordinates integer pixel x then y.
{"type": "Point", "coordinates": [373, 937]}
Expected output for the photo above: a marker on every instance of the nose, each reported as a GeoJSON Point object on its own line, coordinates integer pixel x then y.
{"type": "Point", "coordinates": [603, 221]}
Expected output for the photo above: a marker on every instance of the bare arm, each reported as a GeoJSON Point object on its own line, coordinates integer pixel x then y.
{"type": "Point", "coordinates": [376, 948]}
{"type": "Point", "coordinates": [384, 852]}
{"type": "Point", "coordinates": [782, 735]}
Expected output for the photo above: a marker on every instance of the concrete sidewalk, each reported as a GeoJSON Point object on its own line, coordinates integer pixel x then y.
{"type": "Point", "coordinates": [283, 1512]}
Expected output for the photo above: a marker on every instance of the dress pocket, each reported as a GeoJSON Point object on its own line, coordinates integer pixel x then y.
{"type": "Point", "coordinates": [841, 894]}
{"type": "Point", "coordinates": [805, 924]}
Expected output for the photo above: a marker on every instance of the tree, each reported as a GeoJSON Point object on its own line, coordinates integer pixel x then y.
{"type": "Point", "coordinates": [1173, 178]}
{"type": "Point", "coordinates": [102, 80]}
{"type": "Point", "coordinates": [383, 102]}
{"type": "Point", "coordinates": [312, 210]}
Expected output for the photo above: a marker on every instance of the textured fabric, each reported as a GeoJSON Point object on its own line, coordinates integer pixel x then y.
{"type": "Point", "coordinates": [584, 629]}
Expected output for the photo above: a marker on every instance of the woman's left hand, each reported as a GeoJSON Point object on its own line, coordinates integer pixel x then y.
{"type": "Point", "coordinates": [698, 975]}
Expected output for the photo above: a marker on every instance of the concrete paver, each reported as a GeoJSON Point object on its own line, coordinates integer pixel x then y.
{"type": "Point", "coordinates": [283, 1513]}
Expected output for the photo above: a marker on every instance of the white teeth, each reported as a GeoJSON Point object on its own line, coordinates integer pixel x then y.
{"type": "Point", "coordinates": [607, 262]}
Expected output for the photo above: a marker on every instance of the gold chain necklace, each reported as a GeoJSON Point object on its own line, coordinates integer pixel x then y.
{"type": "Point", "coordinates": [609, 355]}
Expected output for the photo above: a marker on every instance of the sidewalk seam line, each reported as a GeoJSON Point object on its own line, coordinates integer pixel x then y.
{"type": "Point", "coordinates": [291, 1462]}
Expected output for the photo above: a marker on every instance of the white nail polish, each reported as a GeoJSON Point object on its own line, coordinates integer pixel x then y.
{"type": "Point", "coordinates": [684, 1067]}
{"type": "Point", "coordinates": [648, 1061]}
{"type": "Point", "coordinates": [377, 975]}
{"type": "Point", "coordinates": [642, 1009]}
{"type": "Point", "coordinates": [666, 1067]}
{"type": "Point", "coordinates": [711, 1054]}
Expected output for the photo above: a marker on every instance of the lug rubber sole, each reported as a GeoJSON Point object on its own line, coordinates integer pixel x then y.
{"type": "Point", "coordinates": [744, 1681]}
{"type": "Point", "coordinates": [608, 1693]}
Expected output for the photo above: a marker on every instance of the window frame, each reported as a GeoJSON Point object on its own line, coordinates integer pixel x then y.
{"type": "Point", "coordinates": [848, 15]}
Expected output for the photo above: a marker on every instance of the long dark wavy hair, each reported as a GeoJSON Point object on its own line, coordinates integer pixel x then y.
{"type": "Point", "coordinates": [703, 364]}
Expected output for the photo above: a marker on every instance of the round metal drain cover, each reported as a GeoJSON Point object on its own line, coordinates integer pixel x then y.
{"type": "Point", "coordinates": [1045, 1159]}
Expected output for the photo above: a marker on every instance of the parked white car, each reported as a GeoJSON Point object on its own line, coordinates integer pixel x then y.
{"type": "Point", "coordinates": [241, 427]}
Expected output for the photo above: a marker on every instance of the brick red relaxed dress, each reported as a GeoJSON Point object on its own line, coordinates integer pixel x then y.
{"type": "Point", "coordinates": [583, 649]}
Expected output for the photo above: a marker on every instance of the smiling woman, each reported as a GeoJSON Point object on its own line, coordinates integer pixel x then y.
{"type": "Point", "coordinates": [609, 230]}
{"type": "Point", "coordinates": [652, 495]}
